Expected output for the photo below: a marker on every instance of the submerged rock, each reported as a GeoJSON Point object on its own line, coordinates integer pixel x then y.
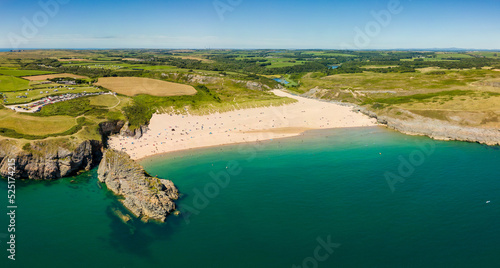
{"type": "Point", "coordinates": [145, 196]}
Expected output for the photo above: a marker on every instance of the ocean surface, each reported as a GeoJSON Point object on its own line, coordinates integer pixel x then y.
{"type": "Point", "coordinates": [364, 197]}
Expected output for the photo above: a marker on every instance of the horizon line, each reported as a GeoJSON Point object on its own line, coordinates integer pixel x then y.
{"type": "Point", "coordinates": [339, 49]}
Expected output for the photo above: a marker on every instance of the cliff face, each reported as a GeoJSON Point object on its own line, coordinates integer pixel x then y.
{"type": "Point", "coordinates": [135, 133]}
{"type": "Point", "coordinates": [437, 129]}
{"type": "Point", "coordinates": [252, 85]}
{"type": "Point", "coordinates": [145, 196]}
{"type": "Point", "coordinates": [109, 128]}
{"type": "Point", "coordinates": [441, 130]}
{"type": "Point", "coordinates": [45, 161]}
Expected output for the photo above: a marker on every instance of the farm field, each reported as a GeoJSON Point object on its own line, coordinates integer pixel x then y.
{"type": "Point", "coordinates": [110, 101]}
{"type": "Point", "coordinates": [15, 72]}
{"type": "Point", "coordinates": [195, 58]}
{"type": "Point", "coordinates": [445, 55]}
{"type": "Point", "coordinates": [66, 60]}
{"type": "Point", "coordinates": [486, 54]}
{"type": "Point", "coordinates": [272, 61]}
{"type": "Point", "coordinates": [132, 86]}
{"type": "Point", "coordinates": [11, 83]}
{"type": "Point", "coordinates": [50, 76]}
{"type": "Point", "coordinates": [31, 125]}
{"type": "Point", "coordinates": [42, 53]}
{"type": "Point", "coordinates": [276, 63]}
{"type": "Point", "coordinates": [331, 54]}
{"type": "Point", "coordinates": [121, 66]}
{"type": "Point", "coordinates": [432, 84]}
{"type": "Point", "coordinates": [102, 65]}
{"type": "Point", "coordinates": [33, 95]}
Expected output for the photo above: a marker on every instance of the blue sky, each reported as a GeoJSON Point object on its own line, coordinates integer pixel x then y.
{"type": "Point", "coordinates": [250, 24]}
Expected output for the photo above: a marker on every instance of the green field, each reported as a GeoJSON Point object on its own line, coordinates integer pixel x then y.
{"type": "Point", "coordinates": [117, 65]}
{"type": "Point", "coordinates": [20, 73]}
{"type": "Point", "coordinates": [11, 83]}
{"type": "Point", "coordinates": [279, 62]}
{"type": "Point", "coordinates": [330, 54]}
{"type": "Point", "coordinates": [401, 81]}
{"type": "Point", "coordinates": [487, 54]}
{"type": "Point", "coordinates": [104, 65]}
{"type": "Point", "coordinates": [33, 95]}
{"type": "Point", "coordinates": [38, 126]}
{"type": "Point", "coordinates": [106, 101]}
{"type": "Point", "coordinates": [275, 62]}
{"type": "Point", "coordinates": [433, 84]}
{"type": "Point", "coordinates": [453, 55]}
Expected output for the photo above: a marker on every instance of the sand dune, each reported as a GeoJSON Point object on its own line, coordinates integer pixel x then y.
{"type": "Point", "coordinates": [171, 132]}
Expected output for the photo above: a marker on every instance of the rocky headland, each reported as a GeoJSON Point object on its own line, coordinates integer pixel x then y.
{"type": "Point", "coordinates": [48, 160]}
{"type": "Point", "coordinates": [145, 196]}
{"type": "Point", "coordinates": [148, 198]}
{"type": "Point", "coordinates": [414, 124]}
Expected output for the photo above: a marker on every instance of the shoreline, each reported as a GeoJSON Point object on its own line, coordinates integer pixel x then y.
{"type": "Point", "coordinates": [250, 143]}
{"type": "Point", "coordinates": [437, 129]}
{"type": "Point", "coordinates": [170, 133]}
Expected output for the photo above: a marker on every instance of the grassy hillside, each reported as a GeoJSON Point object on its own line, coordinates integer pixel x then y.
{"type": "Point", "coordinates": [460, 87]}
{"type": "Point", "coordinates": [11, 83]}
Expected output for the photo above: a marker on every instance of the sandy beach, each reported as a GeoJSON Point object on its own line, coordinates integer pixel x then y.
{"type": "Point", "coordinates": [175, 132]}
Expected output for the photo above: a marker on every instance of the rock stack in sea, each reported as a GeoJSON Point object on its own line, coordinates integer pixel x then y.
{"type": "Point", "coordinates": [145, 196]}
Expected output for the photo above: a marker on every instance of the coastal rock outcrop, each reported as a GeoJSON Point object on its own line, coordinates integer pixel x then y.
{"type": "Point", "coordinates": [415, 124]}
{"type": "Point", "coordinates": [252, 85]}
{"type": "Point", "coordinates": [145, 196]}
{"type": "Point", "coordinates": [441, 130]}
{"type": "Point", "coordinates": [135, 133]}
{"type": "Point", "coordinates": [47, 160]}
{"type": "Point", "coordinates": [109, 128]}
{"type": "Point", "coordinates": [192, 78]}
{"type": "Point", "coordinates": [205, 79]}
{"type": "Point", "coordinates": [201, 79]}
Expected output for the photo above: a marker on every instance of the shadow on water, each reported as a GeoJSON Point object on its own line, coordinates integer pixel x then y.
{"type": "Point", "coordinates": [130, 235]}
{"type": "Point", "coordinates": [72, 181]}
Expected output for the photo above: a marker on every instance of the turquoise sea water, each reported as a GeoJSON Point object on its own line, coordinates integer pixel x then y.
{"type": "Point", "coordinates": [281, 201]}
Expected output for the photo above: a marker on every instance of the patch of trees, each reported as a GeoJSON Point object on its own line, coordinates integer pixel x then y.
{"type": "Point", "coordinates": [86, 71]}
{"type": "Point", "coordinates": [399, 69]}
{"type": "Point", "coordinates": [436, 73]}
{"type": "Point", "coordinates": [137, 114]}
{"type": "Point", "coordinates": [345, 69]}
{"type": "Point", "coordinates": [49, 63]}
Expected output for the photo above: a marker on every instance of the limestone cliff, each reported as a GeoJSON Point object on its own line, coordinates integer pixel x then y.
{"type": "Point", "coordinates": [109, 128]}
{"type": "Point", "coordinates": [414, 124]}
{"type": "Point", "coordinates": [145, 196]}
{"type": "Point", "coordinates": [47, 160]}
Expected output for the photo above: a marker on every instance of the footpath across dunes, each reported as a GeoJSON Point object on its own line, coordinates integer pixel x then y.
{"type": "Point", "coordinates": [131, 86]}
{"type": "Point", "coordinates": [174, 132]}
